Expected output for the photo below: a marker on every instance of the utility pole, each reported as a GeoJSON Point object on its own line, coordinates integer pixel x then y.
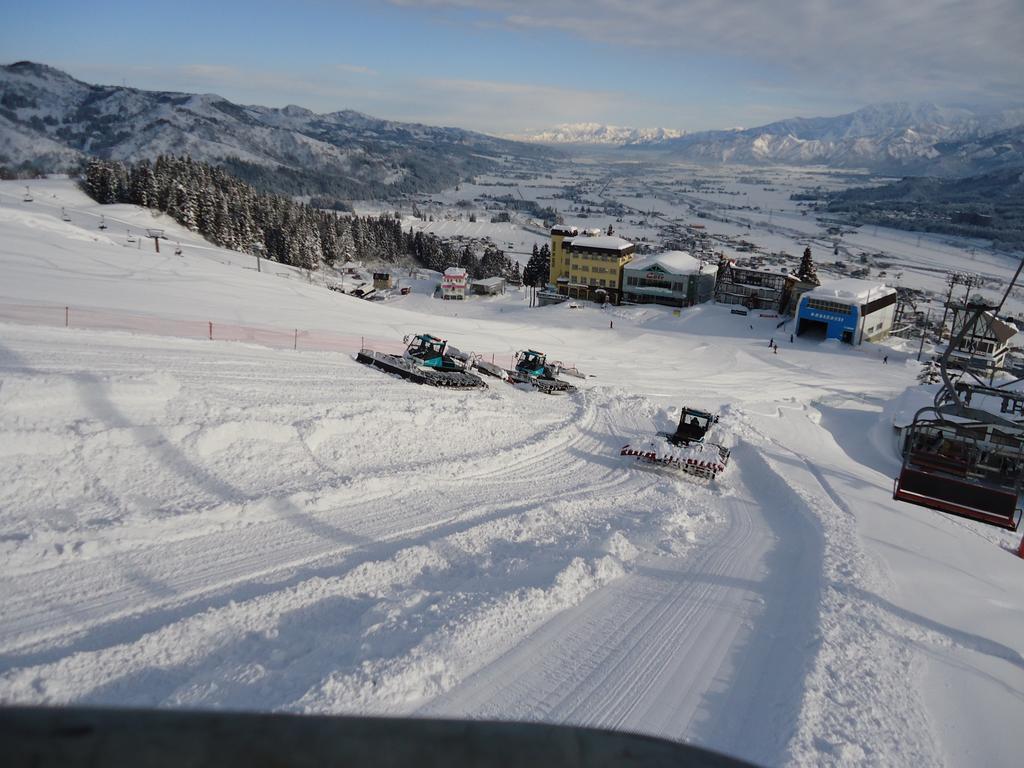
{"type": "Point", "coordinates": [924, 332]}
{"type": "Point", "coordinates": [951, 280]}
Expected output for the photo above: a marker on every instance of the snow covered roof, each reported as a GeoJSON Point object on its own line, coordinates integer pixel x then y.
{"type": "Point", "coordinates": [564, 229]}
{"type": "Point", "coordinates": [676, 262]}
{"type": "Point", "coordinates": [1001, 329]}
{"type": "Point", "coordinates": [489, 281]}
{"type": "Point", "coordinates": [601, 243]}
{"type": "Point", "coordinates": [850, 289]}
{"type": "Point", "coordinates": [455, 272]}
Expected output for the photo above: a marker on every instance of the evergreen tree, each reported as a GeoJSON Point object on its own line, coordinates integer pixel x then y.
{"type": "Point", "coordinates": [929, 373]}
{"type": "Point", "coordinates": [538, 267]}
{"type": "Point", "coordinates": [807, 272]}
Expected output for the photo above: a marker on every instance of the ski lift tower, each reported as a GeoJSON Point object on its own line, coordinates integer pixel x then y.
{"type": "Point", "coordinates": [155, 234]}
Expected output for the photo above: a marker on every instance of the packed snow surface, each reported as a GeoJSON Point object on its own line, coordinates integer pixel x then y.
{"type": "Point", "coordinates": [851, 288]}
{"type": "Point", "coordinates": [192, 523]}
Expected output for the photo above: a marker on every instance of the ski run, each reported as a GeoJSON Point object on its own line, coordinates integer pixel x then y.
{"type": "Point", "coordinates": [206, 524]}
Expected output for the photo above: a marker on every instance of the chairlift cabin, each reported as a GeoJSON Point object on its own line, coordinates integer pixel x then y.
{"type": "Point", "coordinates": [960, 457]}
{"type": "Point", "coordinates": [966, 468]}
{"type": "Point", "coordinates": [103, 222]}
{"type": "Point", "coordinates": [64, 215]}
{"type": "Point", "coordinates": [28, 196]}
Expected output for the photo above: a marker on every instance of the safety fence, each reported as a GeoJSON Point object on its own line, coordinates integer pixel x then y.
{"type": "Point", "coordinates": [69, 316]}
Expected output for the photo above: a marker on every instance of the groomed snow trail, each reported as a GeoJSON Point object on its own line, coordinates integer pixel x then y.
{"type": "Point", "coordinates": [274, 549]}
{"type": "Point", "coordinates": [670, 648]}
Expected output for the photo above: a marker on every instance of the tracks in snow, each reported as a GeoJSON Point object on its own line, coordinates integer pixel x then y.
{"type": "Point", "coordinates": [494, 588]}
{"type": "Point", "coordinates": [700, 648]}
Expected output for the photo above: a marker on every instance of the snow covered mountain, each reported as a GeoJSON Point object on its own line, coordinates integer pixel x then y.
{"type": "Point", "coordinates": [598, 133]}
{"type": "Point", "coordinates": [897, 137]}
{"type": "Point", "coordinates": [50, 120]}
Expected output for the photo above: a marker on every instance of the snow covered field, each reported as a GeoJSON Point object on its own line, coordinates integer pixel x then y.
{"type": "Point", "coordinates": [213, 524]}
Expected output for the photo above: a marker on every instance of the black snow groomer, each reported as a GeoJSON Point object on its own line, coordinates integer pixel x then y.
{"type": "Point", "coordinates": [686, 449]}
{"type": "Point", "coordinates": [531, 367]}
{"type": "Point", "coordinates": [426, 360]}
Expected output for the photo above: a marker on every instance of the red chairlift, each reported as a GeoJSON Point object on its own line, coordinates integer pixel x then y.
{"type": "Point", "coordinates": [966, 468]}
{"type": "Point", "coordinates": [962, 459]}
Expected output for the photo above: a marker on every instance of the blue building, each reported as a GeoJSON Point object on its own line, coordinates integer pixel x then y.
{"type": "Point", "coordinates": [849, 310]}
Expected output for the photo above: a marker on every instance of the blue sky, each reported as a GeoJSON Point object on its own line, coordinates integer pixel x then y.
{"type": "Point", "coordinates": [505, 67]}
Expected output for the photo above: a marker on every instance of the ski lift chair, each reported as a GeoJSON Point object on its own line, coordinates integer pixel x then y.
{"type": "Point", "coordinates": [969, 469]}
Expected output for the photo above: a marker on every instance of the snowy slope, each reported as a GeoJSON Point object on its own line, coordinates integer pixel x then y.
{"type": "Point", "coordinates": [195, 523]}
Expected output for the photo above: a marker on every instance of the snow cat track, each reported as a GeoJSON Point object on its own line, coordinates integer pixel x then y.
{"type": "Point", "coordinates": [547, 386]}
{"type": "Point", "coordinates": [553, 386]}
{"type": "Point", "coordinates": [399, 366]}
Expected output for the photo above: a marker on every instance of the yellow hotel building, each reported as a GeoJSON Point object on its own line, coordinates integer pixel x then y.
{"type": "Point", "coordinates": [588, 267]}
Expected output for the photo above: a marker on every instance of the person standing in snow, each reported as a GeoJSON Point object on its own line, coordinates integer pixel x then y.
{"type": "Point", "coordinates": [885, 359]}
{"type": "Point", "coordinates": [791, 338]}
{"type": "Point", "coordinates": [611, 324]}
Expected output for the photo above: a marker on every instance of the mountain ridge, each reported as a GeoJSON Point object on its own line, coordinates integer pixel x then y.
{"type": "Point", "coordinates": [896, 137]}
{"type": "Point", "coordinates": [597, 133]}
{"type": "Point", "coordinates": [51, 122]}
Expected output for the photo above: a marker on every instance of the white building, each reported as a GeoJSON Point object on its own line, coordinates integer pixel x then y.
{"type": "Point", "coordinates": [673, 278]}
{"type": "Point", "coordinates": [488, 286]}
{"type": "Point", "coordinates": [454, 283]}
{"type": "Point", "coordinates": [985, 348]}
{"type": "Point", "coordinates": [849, 310]}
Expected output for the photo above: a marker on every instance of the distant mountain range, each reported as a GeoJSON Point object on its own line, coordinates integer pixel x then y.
{"type": "Point", "coordinates": [897, 138]}
{"type": "Point", "coordinates": [51, 122]}
{"type": "Point", "coordinates": [598, 133]}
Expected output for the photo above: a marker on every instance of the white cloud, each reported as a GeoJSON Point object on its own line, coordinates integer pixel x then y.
{"type": "Point", "coordinates": [870, 50]}
{"type": "Point", "coordinates": [498, 106]}
{"type": "Point", "coordinates": [355, 69]}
